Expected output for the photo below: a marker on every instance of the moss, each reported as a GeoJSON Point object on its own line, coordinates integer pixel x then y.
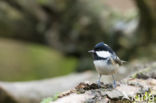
{"type": "Point", "coordinates": [47, 100]}
{"type": "Point", "coordinates": [50, 99]}
{"type": "Point", "coordinates": [50, 63]}
{"type": "Point", "coordinates": [145, 97]}
{"type": "Point", "coordinates": [19, 61]}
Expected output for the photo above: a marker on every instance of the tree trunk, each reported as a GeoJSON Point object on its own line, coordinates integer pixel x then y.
{"type": "Point", "coordinates": [147, 26]}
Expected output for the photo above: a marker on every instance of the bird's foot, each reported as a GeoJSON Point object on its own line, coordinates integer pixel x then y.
{"type": "Point", "coordinates": [99, 84]}
{"type": "Point", "coordinates": [114, 84]}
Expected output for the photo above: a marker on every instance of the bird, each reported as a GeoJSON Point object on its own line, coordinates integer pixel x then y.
{"type": "Point", "coordinates": [105, 61]}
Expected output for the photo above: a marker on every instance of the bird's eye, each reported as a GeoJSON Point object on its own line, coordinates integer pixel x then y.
{"type": "Point", "coordinates": [98, 49]}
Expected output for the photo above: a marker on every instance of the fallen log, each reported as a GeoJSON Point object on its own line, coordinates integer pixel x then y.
{"type": "Point", "coordinates": [142, 82]}
{"type": "Point", "coordinates": [35, 91]}
{"type": "Point", "coordinates": [139, 87]}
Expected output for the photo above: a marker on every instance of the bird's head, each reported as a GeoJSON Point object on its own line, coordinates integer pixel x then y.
{"type": "Point", "coordinates": [101, 50]}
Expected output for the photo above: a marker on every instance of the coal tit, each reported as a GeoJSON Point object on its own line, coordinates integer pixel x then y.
{"type": "Point", "coordinates": [105, 60]}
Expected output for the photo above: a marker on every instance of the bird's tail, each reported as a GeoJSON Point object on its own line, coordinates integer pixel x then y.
{"type": "Point", "coordinates": [119, 61]}
{"type": "Point", "coordinates": [122, 62]}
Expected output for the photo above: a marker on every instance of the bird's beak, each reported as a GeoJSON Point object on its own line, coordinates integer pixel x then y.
{"type": "Point", "coordinates": [91, 51]}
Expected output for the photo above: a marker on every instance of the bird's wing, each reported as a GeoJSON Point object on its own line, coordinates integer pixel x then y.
{"type": "Point", "coordinates": [116, 60]}
{"type": "Point", "coordinates": [119, 61]}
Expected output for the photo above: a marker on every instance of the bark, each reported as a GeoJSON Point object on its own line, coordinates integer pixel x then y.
{"type": "Point", "coordinates": [132, 89]}
{"type": "Point", "coordinates": [35, 91]}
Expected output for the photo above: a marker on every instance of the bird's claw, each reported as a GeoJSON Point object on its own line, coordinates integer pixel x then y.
{"type": "Point", "coordinates": [99, 84]}
{"type": "Point", "coordinates": [114, 84]}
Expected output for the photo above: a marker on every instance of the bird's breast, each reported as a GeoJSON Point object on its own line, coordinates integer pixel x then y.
{"type": "Point", "coordinates": [103, 67]}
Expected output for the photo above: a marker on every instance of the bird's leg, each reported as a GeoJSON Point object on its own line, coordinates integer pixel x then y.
{"type": "Point", "coordinates": [98, 81]}
{"type": "Point", "coordinates": [114, 82]}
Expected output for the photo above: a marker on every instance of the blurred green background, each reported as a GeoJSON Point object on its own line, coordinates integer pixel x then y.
{"type": "Point", "coordinates": [24, 61]}
{"type": "Point", "coordinates": [48, 38]}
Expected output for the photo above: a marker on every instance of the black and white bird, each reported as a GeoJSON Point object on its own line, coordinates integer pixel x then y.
{"type": "Point", "coordinates": [106, 61]}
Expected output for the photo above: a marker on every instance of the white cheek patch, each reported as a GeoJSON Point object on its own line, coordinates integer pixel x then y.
{"type": "Point", "coordinates": [103, 54]}
{"type": "Point", "coordinates": [105, 44]}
